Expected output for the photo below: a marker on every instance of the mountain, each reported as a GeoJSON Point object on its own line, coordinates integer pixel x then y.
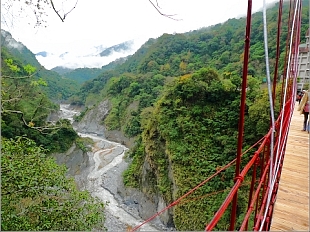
{"type": "Point", "coordinates": [121, 48]}
{"type": "Point", "coordinates": [44, 54]}
{"type": "Point", "coordinates": [58, 88]}
{"type": "Point", "coordinates": [61, 70]}
{"type": "Point", "coordinates": [81, 75]}
{"type": "Point", "coordinates": [178, 96]}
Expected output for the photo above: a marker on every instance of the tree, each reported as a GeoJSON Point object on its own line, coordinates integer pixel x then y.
{"type": "Point", "coordinates": [25, 108]}
{"type": "Point", "coordinates": [36, 194]}
{"type": "Point", "coordinates": [20, 94]}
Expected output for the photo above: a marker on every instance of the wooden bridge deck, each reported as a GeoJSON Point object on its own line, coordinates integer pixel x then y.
{"type": "Point", "coordinates": [291, 212]}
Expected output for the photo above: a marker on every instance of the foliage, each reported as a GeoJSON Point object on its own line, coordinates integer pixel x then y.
{"type": "Point", "coordinates": [184, 114]}
{"type": "Point", "coordinates": [79, 117]}
{"type": "Point", "coordinates": [188, 127]}
{"type": "Point", "coordinates": [190, 133]}
{"type": "Point", "coordinates": [219, 46]}
{"type": "Point", "coordinates": [81, 75]}
{"type": "Point", "coordinates": [83, 143]}
{"type": "Point", "coordinates": [25, 108]}
{"type": "Point", "coordinates": [37, 196]}
{"type": "Point", "coordinates": [132, 175]}
{"type": "Point", "coordinates": [123, 92]}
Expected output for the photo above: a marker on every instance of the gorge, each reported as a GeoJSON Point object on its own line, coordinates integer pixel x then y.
{"type": "Point", "coordinates": [100, 173]}
{"type": "Point", "coordinates": [171, 110]}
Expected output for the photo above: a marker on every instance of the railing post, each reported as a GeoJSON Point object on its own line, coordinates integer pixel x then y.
{"type": "Point", "coordinates": [242, 109]}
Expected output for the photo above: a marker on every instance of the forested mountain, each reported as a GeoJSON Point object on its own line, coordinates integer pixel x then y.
{"type": "Point", "coordinates": [58, 88]}
{"type": "Point", "coordinates": [179, 96]}
{"type": "Point", "coordinates": [219, 46]}
{"type": "Point", "coordinates": [81, 75]}
{"type": "Point", "coordinates": [61, 70]}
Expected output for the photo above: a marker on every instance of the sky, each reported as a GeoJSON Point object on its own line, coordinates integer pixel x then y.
{"type": "Point", "coordinates": [105, 23]}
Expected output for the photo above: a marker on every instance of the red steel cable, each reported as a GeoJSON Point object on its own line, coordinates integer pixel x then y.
{"type": "Point", "coordinates": [198, 186]}
{"type": "Point", "coordinates": [234, 189]}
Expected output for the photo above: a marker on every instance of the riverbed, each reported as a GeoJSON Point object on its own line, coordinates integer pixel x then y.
{"type": "Point", "coordinates": [103, 179]}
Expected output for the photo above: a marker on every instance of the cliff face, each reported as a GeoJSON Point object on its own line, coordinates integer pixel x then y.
{"type": "Point", "coordinates": [92, 123]}
{"type": "Point", "coordinates": [81, 164]}
{"type": "Point", "coordinates": [145, 202]}
{"type": "Point", "coordinates": [78, 163]}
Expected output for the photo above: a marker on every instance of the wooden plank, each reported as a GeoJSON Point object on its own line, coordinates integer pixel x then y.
{"type": "Point", "coordinates": [291, 211]}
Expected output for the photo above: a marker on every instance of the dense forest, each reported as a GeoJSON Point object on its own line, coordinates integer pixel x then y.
{"type": "Point", "coordinates": [178, 96]}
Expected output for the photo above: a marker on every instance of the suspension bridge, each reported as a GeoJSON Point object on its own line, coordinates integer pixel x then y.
{"type": "Point", "coordinates": [291, 211]}
{"type": "Point", "coordinates": [279, 168]}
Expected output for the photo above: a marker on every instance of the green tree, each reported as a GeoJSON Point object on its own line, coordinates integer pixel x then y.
{"type": "Point", "coordinates": [37, 196]}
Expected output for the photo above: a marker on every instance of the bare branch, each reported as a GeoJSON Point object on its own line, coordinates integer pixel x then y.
{"type": "Point", "coordinates": [62, 18]}
{"type": "Point", "coordinates": [38, 128]}
{"type": "Point", "coordinates": [157, 4]}
{"type": "Point", "coordinates": [17, 98]}
{"type": "Point", "coordinates": [23, 77]}
{"type": "Point", "coordinates": [56, 11]}
{"type": "Point", "coordinates": [11, 100]}
{"type": "Point", "coordinates": [65, 15]}
{"type": "Point", "coordinates": [165, 15]}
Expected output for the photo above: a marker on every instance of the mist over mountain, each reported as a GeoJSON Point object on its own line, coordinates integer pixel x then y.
{"type": "Point", "coordinates": [88, 56]}
{"type": "Point", "coordinates": [122, 47]}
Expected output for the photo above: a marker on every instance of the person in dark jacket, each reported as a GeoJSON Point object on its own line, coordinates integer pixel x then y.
{"type": "Point", "coordinates": [304, 109]}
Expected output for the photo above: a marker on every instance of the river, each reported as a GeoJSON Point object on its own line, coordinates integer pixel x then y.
{"type": "Point", "coordinates": [103, 178]}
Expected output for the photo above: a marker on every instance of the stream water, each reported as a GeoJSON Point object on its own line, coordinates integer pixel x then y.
{"type": "Point", "coordinates": [106, 157]}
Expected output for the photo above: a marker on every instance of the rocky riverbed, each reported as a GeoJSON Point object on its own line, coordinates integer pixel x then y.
{"type": "Point", "coordinates": [101, 175]}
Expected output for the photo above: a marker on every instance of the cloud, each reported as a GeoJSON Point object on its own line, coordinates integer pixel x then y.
{"type": "Point", "coordinates": [87, 56]}
{"type": "Point", "coordinates": [11, 42]}
{"type": "Point", "coordinates": [112, 22]}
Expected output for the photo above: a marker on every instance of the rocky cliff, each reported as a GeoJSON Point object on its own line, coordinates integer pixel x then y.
{"type": "Point", "coordinates": [78, 163]}
{"type": "Point", "coordinates": [92, 123]}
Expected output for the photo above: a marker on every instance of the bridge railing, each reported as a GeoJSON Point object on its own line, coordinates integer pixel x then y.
{"type": "Point", "coordinates": [261, 179]}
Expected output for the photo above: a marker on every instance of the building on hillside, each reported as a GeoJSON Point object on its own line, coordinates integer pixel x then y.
{"type": "Point", "coordinates": [303, 80]}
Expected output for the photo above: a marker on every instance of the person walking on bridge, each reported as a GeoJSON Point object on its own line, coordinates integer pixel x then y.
{"type": "Point", "coordinates": [303, 107]}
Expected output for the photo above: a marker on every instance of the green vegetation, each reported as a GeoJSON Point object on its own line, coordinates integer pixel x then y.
{"type": "Point", "coordinates": [81, 75]}
{"type": "Point", "coordinates": [36, 195]}
{"type": "Point", "coordinates": [187, 136]}
{"type": "Point", "coordinates": [219, 47]}
{"type": "Point", "coordinates": [83, 143]}
{"type": "Point", "coordinates": [25, 108]}
{"type": "Point", "coordinates": [179, 96]}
